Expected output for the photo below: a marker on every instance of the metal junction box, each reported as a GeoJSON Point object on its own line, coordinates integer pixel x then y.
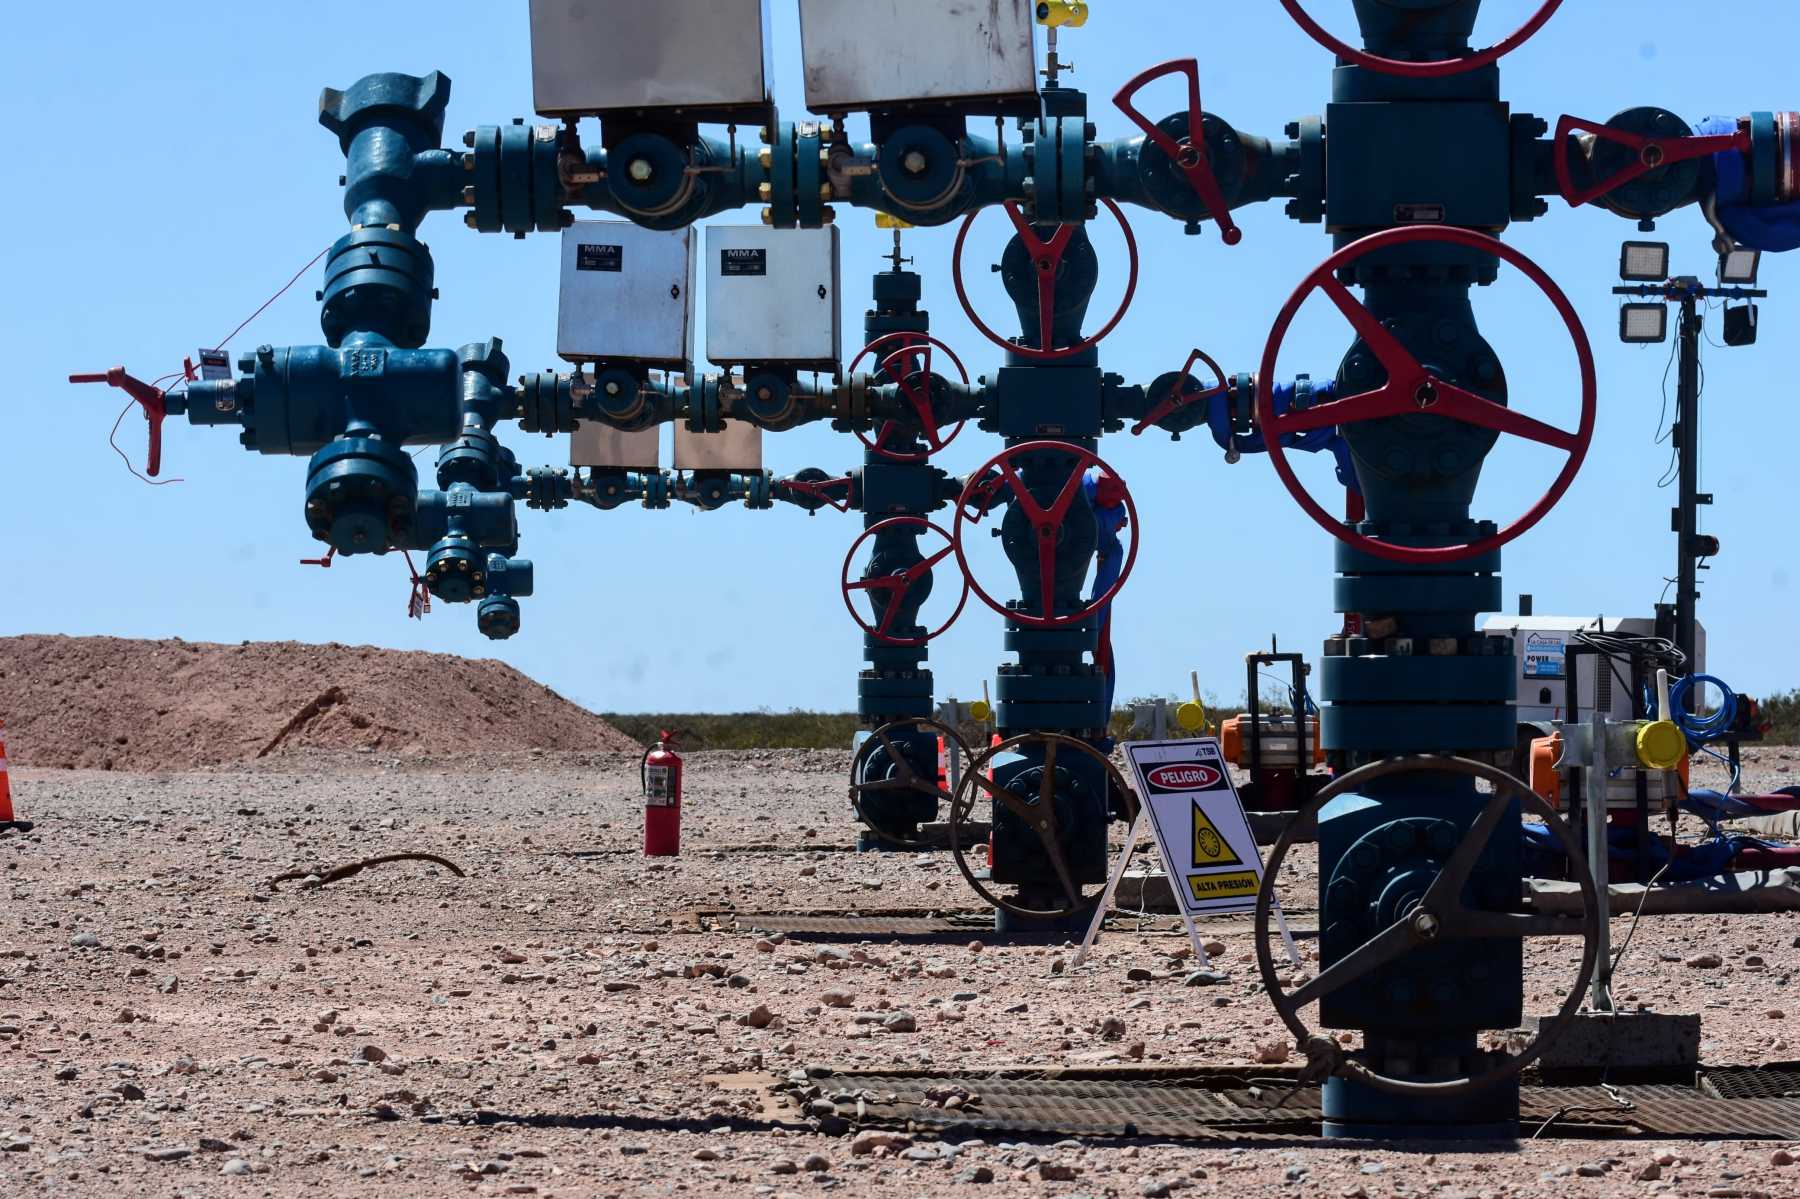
{"type": "Point", "coordinates": [595, 444]}
{"type": "Point", "coordinates": [772, 296]}
{"type": "Point", "coordinates": [738, 446]}
{"type": "Point", "coordinates": [627, 295]}
{"type": "Point", "coordinates": [696, 60]}
{"type": "Point", "coordinates": [974, 56]}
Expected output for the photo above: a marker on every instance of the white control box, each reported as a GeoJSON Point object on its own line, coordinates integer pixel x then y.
{"type": "Point", "coordinates": [627, 295]}
{"type": "Point", "coordinates": [1539, 646]}
{"type": "Point", "coordinates": [700, 60]}
{"type": "Point", "coordinates": [772, 296]}
{"type": "Point", "coordinates": [884, 54]}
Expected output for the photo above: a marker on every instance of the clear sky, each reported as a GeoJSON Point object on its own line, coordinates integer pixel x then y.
{"type": "Point", "coordinates": [168, 174]}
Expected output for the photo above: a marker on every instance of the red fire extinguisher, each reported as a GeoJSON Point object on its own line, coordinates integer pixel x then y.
{"type": "Point", "coordinates": [660, 774]}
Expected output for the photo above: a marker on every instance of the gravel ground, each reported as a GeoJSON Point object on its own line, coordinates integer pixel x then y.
{"type": "Point", "coordinates": [168, 1026]}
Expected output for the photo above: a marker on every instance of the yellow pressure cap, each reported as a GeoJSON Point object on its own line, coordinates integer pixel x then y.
{"type": "Point", "coordinates": [1054, 13]}
{"type": "Point", "coordinates": [979, 711]}
{"type": "Point", "coordinates": [885, 221]}
{"type": "Point", "coordinates": [1190, 716]}
{"type": "Point", "coordinates": [1660, 745]}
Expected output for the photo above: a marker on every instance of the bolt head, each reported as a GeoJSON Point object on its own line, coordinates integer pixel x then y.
{"type": "Point", "coordinates": [639, 170]}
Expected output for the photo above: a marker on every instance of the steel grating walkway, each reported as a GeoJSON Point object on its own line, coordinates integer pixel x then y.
{"type": "Point", "coordinates": [1256, 1103]}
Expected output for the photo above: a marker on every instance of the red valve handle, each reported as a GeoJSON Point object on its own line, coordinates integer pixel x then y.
{"type": "Point", "coordinates": [1652, 152]}
{"type": "Point", "coordinates": [1189, 154]}
{"type": "Point", "coordinates": [915, 385]}
{"type": "Point", "coordinates": [1176, 399]}
{"type": "Point", "coordinates": [895, 585]}
{"type": "Point", "coordinates": [149, 398]}
{"type": "Point", "coordinates": [1412, 389]}
{"type": "Point", "coordinates": [1046, 256]}
{"type": "Point", "coordinates": [982, 491]}
{"type": "Point", "coordinates": [1421, 70]}
{"type": "Point", "coordinates": [817, 489]}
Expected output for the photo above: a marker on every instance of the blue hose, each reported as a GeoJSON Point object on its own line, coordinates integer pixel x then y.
{"type": "Point", "coordinates": [1702, 729]}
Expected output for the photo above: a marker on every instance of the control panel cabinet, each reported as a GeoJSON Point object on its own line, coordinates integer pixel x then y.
{"type": "Point", "coordinates": [968, 56]}
{"type": "Point", "coordinates": [627, 295]}
{"type": "Point", "coordinates": [692, 60]}
{"type": "Point", "coordinates": [772, 296]}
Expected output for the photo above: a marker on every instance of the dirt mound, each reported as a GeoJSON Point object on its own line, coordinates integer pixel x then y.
{"type": "Point", "coordinates": [114, 704]}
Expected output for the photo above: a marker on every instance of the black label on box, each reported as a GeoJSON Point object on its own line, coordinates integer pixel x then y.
{"type": "Point", "coordinates": [599, 258]}
{"type": "Point", "coordinates": [1418, 214]}
{"type": "Point", "coordinates": [744, 262]}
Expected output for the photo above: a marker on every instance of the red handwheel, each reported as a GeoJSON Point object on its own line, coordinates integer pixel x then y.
{"type": "Point", "coordinates": [1189, 154]}
{"type": "Point", "coordinates": [1412, 389]}
{"type": "Point", "coordinates": [1474, 60]}
{"type": "Point", "coordinates": [1652, 152]}
{"type": "Point", "coordinates": [1178, 399]}
{"type": "Point", "coordinates": [1046, 257]}
{"type": "Point", "coordinates": [893, 586]}
{"type": "Point", "coordinates": [983, 491]}
{"type": "Point", "coordinates": [909, 366]}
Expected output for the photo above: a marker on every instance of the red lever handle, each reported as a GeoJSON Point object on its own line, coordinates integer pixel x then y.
{"type": "Point", "coordinates": [149, 398]}
{"type": "Point", "coordinates": [1652, 152]}
{"type": "Point", "coordinates": [1189, 154]}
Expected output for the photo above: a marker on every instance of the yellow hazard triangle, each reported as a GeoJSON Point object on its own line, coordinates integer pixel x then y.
{"type": "Point", "coordinates": [1210, 849]}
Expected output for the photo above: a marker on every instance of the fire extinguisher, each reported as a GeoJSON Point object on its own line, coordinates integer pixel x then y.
{"type": "Point", "coordinates": [660, 774]}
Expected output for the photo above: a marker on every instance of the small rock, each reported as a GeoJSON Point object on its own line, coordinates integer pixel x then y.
{"type": "Point", "coordinates": [173, 1153]}
{"type": "Point", "coordinates": [168, 984]}
{"type": "Point", "coordinates": [784, 1167]}
{"type": "Point", "coordinates": [1137, 974]}
{"type": "Point", "coordinates": [236, 1166]}
{"type": "Point", "coordinates": [125, 1016]}
{"type": "Point", "coordinates": [1781, 1157]}
{"type": "Point", "coordinates": [1205, 978]}
{"type": "Point", "coordinates": [615, 986]}
{"type": "Point", "coordinates": [1112, 1028]}
{"type": "Point", "coordinates": [818, 1163]}
{"type": "Point", "coordinates": [976, 1174]}
{"type": "Point", "coordinates": [869, 1141]}
{"type": "Point", "coordinates": [371, 1053]}
{"type": "Point", "coordinates": [901, 1022]}
{"type": "Point", "coordinates": [1214, 948]}
{"type": "Point", "coordinates": [67, 1074]}
{"type": "Point", "coordinates": [1155, 1190]}
{"type": "Point", "coordinates": [1705, 961]}
{"type": "Point", "coordinates": [1056, 1172]}
{"type": "Point", "coordinates": [757, 1017]}
{"type": "Point", "coordinates": [1273, 1053]}
{"type": "Point", "coordinates": [706, 1155]}
{"type": "Point", "coordinates": [1649, 1173]}
{"type": "Point", "coordinates": [838, 998]}
{"type": "Point", "coordinates": [85, 941]}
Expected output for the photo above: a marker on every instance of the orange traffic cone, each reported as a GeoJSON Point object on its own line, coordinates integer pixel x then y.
{"type": "Point", "coordinates": [6, 808]}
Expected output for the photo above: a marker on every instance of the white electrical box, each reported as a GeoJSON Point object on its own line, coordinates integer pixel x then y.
{"type": "Point", "coordinates": [699, 60]}
{"type": "Point", "coordinates": [772, 296]}
{"type": "Point", "coordinates": [595, 444]}
{"type": "Point", "coordinates": [627, 295]}
{"type": "Point", "coordinates": [738, 446]}
{"type": "Point", "coordinates": [1539, 643]}
{"type": "Point", "coordinates": [973, 56]}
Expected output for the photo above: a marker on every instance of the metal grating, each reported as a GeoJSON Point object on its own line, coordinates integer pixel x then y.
{"type": "Point", "coordinates": [1777, 1080]}
{"type": "Point", "coordinates": [1211, 1103]}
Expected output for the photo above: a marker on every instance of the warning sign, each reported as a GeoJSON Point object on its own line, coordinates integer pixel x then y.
{"type": "Point", "coordinates": [1209, 847]}
{"type": "Point", "coordinates": [1200, 826]}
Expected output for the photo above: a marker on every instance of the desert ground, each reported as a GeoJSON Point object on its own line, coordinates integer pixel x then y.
{"type": "Point", "coordinates": [549, 1024]}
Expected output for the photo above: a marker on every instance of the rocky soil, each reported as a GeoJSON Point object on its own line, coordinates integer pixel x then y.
{"type": "Point", "coordinates": [170, 1026]}
{"type": "Point", "coordinates": [113, 704]}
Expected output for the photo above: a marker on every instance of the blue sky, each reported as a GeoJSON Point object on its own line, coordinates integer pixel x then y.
{"type": "Point", "coordinates": [169, 174]}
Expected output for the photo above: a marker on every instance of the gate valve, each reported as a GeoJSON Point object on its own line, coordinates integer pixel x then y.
{"type": "Point", "coordinates": [1046, 257]}
{"type": "Point", "coordinates": [1179, 398]}
{"type": "Point", "coordinates": [1439, 69]}
{"type": "Point", "coordinates": [984, 488]}
{"type": "Point", "coordinates": [1652, 152]}
{"type": "Point", "coordinates": [817, 491]}
{"type": "Point", "coordinates": [1189, 154]}
{"type": "Point", "coordinates": [151, 399]}
{"type": "Point", "coordinates": [892, 588]}
{"type": "Point", "coordinates": [1411, 389]}
{"type": "Point", "coordinates": [909, 366]}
